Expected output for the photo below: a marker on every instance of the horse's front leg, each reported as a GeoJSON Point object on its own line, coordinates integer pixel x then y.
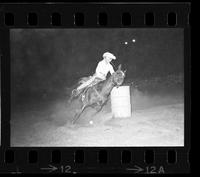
{"type": "Point", "coordinates": [100, 105]}
{"type": "Point", "coordinates": [77, 115]}
{"type": "Point", "coordinates": [98, 108]}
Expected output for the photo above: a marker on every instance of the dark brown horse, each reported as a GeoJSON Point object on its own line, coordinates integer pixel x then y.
{"type": "Point", "coordinates": [97, 95]}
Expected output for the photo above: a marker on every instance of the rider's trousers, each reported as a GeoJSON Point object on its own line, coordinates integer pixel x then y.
{"type": "Point", "coordinates": [86, 83]}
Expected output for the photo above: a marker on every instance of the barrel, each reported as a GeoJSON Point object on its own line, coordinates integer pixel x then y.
{"type": "Point", "coordinates": [120, 102]}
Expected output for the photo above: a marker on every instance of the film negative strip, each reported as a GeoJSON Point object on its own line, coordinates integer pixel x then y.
{"type": "Point", "coordinates": [95, 88]}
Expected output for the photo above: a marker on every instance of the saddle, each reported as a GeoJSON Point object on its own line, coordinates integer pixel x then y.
{"type": "Point", "coordinates": [96, 81]}
{"type": "Point", "coordinates": [82, 92]}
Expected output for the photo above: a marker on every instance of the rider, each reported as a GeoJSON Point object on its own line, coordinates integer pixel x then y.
{"type": "Point", "coordinates": [102, 70]}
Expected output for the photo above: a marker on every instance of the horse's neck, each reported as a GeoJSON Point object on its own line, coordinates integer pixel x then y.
{"type": "Point", "coordinates": [107, 87]}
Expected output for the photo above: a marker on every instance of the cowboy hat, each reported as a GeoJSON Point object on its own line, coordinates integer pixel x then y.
{"type": "Point", "coordinates": [109, 55]}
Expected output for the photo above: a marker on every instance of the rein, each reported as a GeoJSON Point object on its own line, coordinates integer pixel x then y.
{"type": "Point", "coordinates": [113, 65]}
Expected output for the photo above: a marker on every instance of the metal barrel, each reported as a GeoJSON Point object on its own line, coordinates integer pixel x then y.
{"type": "Point", "coordinates": [120, 102]}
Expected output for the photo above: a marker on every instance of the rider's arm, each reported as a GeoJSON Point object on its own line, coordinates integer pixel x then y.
{"type": "Point", "coordinates": [111, 69]}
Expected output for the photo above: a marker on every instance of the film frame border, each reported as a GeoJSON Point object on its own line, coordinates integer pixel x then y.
{"type": "Point", "coordinates": [91, 164]}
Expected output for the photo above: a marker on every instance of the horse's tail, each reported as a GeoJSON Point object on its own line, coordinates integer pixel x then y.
{"type": "Point", "coordinates": [83, 79]}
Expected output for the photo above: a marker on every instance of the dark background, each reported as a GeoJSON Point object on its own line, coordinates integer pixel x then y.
{"type": "Point", "coordinates": [44, 62]}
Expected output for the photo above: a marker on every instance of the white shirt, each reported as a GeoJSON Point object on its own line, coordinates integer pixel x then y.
{"type": "Point", "coordinates": [103, 68]}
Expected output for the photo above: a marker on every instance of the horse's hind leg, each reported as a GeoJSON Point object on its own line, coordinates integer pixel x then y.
{"type": "Point", "coordinates": [98, 109]}
{"type": "Point", "coordinates": [79, 114]}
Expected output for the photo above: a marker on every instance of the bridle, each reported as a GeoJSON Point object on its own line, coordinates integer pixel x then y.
{"type": "Point", "coordinates": [113, 80]}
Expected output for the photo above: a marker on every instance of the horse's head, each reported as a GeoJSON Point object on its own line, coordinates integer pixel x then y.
{"type": "Point", "coordinates": [118, 76]}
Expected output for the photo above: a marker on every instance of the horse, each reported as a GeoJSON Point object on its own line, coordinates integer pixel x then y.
{"type": "Point", "coordinates": [97, 95]}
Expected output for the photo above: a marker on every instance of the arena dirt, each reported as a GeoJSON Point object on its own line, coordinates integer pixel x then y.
{"type": "Point", "coordinates": [157, 120]}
